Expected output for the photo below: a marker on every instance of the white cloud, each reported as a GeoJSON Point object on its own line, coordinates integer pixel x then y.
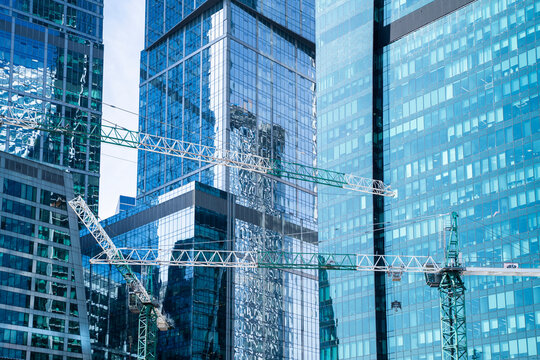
{"type": "Point", "coordinates": [123, 37]}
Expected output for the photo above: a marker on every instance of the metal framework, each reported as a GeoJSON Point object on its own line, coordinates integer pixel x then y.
{"type": "Point", "coordinates": [270, 259]}
{"type": "Point", "coordinates": [150, 317]}
{"type": "Point", "coordinates": [21, 117]}
{"type": "Point", "coordinates": [297, 260]}
{"type": "Point", "coordinates": [452, 297]}
{"type": "Point", "coordinates": [147, 334]}
{"type": "Point", "coordinates": [447, 277]}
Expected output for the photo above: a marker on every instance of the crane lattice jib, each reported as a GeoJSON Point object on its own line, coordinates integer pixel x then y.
{"type": "Point", "coordinates": [270, 259]}
{"type": "Point", "coordinates": [298, 260]}
{"type": "Point", "coordinates": [197, 152]}
{"type": "Point", "coordinates": [109, 249]}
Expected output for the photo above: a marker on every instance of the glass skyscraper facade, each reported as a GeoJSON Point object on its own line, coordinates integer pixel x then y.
{"type": "Point", "coordinates": [43, 311]}
{"type": "Point", "coordinates": [51, 62]}
{"type": "Point", "coordinates": [453, 125]}
{"type": "Point", "coordinates": [240, 75]}
{"type": "Point", "coordinates": [348, 301]}
{"type": "Point", "coordinates": [199, 302]}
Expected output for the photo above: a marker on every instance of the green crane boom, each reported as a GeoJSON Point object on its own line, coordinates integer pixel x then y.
{"type": "Point", "coordinates": [452, 296]}
{"type": "Point", "coordinates": [22, 117]}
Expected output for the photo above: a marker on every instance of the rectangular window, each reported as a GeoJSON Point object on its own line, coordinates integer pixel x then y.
{"type": "Point", "coordinates": [48, 323]}
{"type": "Point", "coordinates": [56, 236]}
{"type": "Point", "coordinates": [48, 269]}
{"type": "Point", "coordinates": [13, 243]}
{"type": "Point", "coordinates": [19, 209]}
{"type": "Point", "coordinates": [13, 317]}
{"type": "Point", "coordinates": [74, 345]}
{"type": "Point", "coordinates": [15, 280]}
{"type": "Point", "coordinates": [49, 305]}
{"type": "Point", "coordinates": [13, 336]}
{"type": "Point", "coordinates": [17, 226]}
{"type": "Point", "coordinates": [15, 262]}
{"type": "Point", "coordinates": [52, 199]}
{"type": "Point", "coordinates": [53, 218]}
{"type": "Point", "coordinates": [17, 189]}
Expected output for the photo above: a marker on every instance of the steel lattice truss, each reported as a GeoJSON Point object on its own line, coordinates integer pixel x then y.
{"type": "Point", "coordinates": [453, 321]}
{"type": "Point", "coordinates": [18, 116]}
{"type": "Point", "coordinates": [147, 336]}
{"type": "Point", "coordinates": [21, 117]}
{"type": "Point", "coordinates": [296, 260]}
{"type": "Point", "coordinates": [269, 259]}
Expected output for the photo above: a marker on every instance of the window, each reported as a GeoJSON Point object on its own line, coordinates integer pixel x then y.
{"type": "Point", "coordinates": [19, 190]}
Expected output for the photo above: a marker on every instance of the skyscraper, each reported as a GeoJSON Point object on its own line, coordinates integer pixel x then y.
{"type": "Point", "coordinates": [198, 301]}
{"type": "Point", "coordinates": [439, 99]}
{"type": "Point", "coordinates": [51, 56]}
{"type": "Point", "coordinates": [239, 75]}
{"type": "Point", "coordinates": [42, 297]}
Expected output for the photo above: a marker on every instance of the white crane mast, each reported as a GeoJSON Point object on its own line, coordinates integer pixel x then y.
{"type": "Point", "coordinates": [111, 251]}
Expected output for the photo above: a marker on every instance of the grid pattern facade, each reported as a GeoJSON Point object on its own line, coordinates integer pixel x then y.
{"type": "Point", "coordinates": [240, 75]}
{"type": "Point", "coordinates": [192, 298]}
{"type": "Point", "coordinates": [462, 133]}
{"type": "Point", "coordinates": [213, 315]}
{"type": "Point", "coordinates": [455, 127]}
{"type": "Point", "coordinates": [51, 61]}
{"type": "Point", "coordinates": [42, 301]}
{"type": "Point", "coordinates": [396, 9]}
{"type": "Point", "coordinates": [345, 139]}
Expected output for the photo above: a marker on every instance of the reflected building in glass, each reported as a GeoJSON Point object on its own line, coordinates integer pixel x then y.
{"type": "Point", "coordinates": [125, 203]}
{"type": "Point", "coordinates": [440, 100]}
{"type": "Point", "coordinates": [51, 62]}
{"type": "Point", "coordinates": [200, 302]}
{"type": "Point", "coordinates": [237, 75]}
{"type": "Point", "coordinates": [43, 312]}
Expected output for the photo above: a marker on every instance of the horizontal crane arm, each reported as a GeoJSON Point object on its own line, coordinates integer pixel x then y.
{"type": "Point", "coordinates": [294, 260]}
{"type": "Point", "coordinates": [24, 118]}
{"type": "Point", "coordinates": [491, 271]}
{"type": "Point", "coordinates": [270, 259]}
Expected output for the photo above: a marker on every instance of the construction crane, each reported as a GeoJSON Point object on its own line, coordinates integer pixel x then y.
{"type": "Point", "coordinates": [446, 276]}
{"type": "Point", "coordinates": [21, 117]}
{"type": "Point", "coordinates": [25, 118]}
{"type": "Point", "coordinates": [150, 315]}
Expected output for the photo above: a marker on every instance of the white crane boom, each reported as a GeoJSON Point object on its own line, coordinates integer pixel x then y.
{"type": "Point", "coordinates": [491, 271]}
{"type": "Point", "coordinates": [270, 259]}
{"type": "Point", "coordinates": [111, 251]}
{"type": "Point", "coordinates": [21, 117]}
{"type": "Point", "coordinates": [392, 264]}
{"type": "Point", "coordinates": [18, 116]}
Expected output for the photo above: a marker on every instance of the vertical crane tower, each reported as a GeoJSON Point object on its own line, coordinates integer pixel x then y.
{"type": "Point", "coordinates": [452, 297]}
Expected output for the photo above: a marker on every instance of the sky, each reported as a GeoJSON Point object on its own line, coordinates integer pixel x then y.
{"type": "Point", "coordinates": [123, 37]}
